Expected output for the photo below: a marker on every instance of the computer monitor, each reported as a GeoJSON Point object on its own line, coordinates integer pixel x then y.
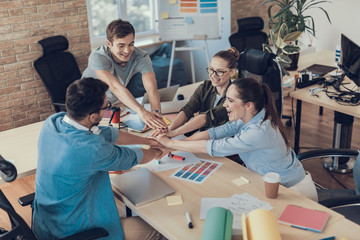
{"type": "Point", "coordinates": [350, 59]}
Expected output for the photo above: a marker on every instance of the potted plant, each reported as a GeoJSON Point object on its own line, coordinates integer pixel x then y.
{"type": "Point", "coordinates": [294, 14]}
{"type": "Point", "coordinates": [283, 45]}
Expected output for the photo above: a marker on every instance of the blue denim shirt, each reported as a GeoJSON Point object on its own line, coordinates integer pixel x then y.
{"type": "Point", "coordinates": [260, 146]}
{"type": "Point", "coordinates": [72, 189]}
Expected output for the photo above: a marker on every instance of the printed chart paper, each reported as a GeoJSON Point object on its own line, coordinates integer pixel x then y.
{"type": "Point", "coordinates": [197, 173]}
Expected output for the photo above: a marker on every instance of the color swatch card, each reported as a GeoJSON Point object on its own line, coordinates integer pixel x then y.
{"type": "Point", "coordinates": [197, 173]}
{"type": "Point", "coordinates": [304, 218]}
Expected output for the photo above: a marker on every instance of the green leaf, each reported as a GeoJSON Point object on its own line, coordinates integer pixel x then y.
{"type": "Point", "coordinates": [272, 37]}
{"type": "Point", "coordinates": [291, 49]}
{"type": "Point", "coordinates": [284, 58]}
{"type": "Point", "coordinates": [266, 48]}
{"type": "Point", "coordinates": [283, 31]}
{"type": "Point", "coordinates": [292, 37]}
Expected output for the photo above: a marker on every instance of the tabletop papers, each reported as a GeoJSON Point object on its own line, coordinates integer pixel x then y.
{"type": "Point", "coordinates": [237, 204]}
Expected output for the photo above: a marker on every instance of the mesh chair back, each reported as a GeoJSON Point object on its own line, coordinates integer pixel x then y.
{"type": "Point", "coordinates": [264, 65]}
{"type": "Point", "coordinates": [57, 68]}
{"type": "Point", "coordinates": [249, 35]}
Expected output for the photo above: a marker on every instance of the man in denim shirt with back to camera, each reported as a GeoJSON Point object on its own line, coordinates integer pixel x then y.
{"type": "Point", "coordinates": [72, 189]}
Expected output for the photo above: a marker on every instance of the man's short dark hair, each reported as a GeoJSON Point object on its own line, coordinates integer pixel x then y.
{"type": "Point", "coordinates": [85, 96]}
{"type": "Point", "coordinates": [119, 28]}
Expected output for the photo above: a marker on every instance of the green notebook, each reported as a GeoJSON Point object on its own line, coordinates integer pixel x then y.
{"type": "Point", "coordinates": [218, 224]}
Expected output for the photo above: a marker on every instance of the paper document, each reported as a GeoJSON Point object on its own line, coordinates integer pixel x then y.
{"type": "Point", "coordinates": [237, 204]}
{"type": "Point", "coordinates": [167, 162]}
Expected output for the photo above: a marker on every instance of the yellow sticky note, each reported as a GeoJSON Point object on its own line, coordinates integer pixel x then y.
{"type": "Point", "coordinates": [164, 15]}
{"type": "Point", "coordinates": [240, 181]}
{"type": "Point", "coordinates": [172, 1]}
{"type": "Point", "coordinates": [174, 200]}
{"type": "Point", "coordinates": [167, 121]}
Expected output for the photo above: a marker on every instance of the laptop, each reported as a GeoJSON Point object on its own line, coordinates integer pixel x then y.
{"type": "Point", "coordinates": [166, 95]}
{"type": "Point", "coordinates": [319, 69]}
{"type": "Point", "coordinates": [141, 186]}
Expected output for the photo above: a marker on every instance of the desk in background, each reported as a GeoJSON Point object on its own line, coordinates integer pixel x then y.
{"type": "Point", "coordinates": [325, 58]}
{"type": "Point", "coordinates": [20, 145]}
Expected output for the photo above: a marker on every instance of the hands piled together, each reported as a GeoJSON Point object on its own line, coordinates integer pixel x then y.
{"type": "Point", "coordinates": [160, 141]}
{"type": "Point", "coordinates": [153, 120]}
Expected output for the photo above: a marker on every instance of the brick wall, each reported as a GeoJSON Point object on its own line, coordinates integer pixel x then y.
{"type": "Point", "coordinates": [247, 8]}
{"type": "Point", "coordinates": [23, 97]}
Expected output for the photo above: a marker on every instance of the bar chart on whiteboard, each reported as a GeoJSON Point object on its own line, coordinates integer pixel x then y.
{"type": "Point", "coordinates": [189, 19]}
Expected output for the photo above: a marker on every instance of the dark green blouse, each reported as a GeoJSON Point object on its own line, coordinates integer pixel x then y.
{"type": "Point", "coordinates": [202, 101]}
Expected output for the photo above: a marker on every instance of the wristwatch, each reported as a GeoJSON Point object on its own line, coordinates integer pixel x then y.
{"type": "Point", "coordinates": [157, 111]}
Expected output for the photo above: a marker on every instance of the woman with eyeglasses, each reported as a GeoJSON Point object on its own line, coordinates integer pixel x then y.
{"type": "Point", "coordinates": [208, 98]}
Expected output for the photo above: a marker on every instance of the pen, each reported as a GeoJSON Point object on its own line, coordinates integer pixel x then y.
{"type": "Point", "coordinates": [328, 238]}
{"type": "Point", "coordinates": [125, 113]}
{"type": "Point", "coordinates": [304, 228]}
{"type": "Point", "coordinates": [190, 225]}
{"type": "Point", "coordinates": [176, 157]}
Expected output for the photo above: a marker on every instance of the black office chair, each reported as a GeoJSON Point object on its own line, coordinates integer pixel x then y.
{"type": "Point", "coordinates": [343, 201]}
{"type": "Point", "coordinates": [57, 69]}
{"type": "Point", "coordinates": [264, 66]}
{"type": "Point", "coordinates": [19, 228]}
{"type": "Point", "coordinates": [249, 35]}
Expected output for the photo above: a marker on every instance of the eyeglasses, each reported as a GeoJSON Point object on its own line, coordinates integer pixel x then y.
{"type": "Point", "coordinates": [217, 73]}
{"type": "Point", "coordinates": [108, 106]}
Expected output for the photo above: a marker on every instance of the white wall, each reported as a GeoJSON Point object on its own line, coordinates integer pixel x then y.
{"type": "Point", "coordinates": [345, 18]}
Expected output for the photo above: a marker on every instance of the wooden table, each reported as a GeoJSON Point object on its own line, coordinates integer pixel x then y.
{"type": "Point", "coordinates": [171, 222]}
{"type": "Point", "coordinates": [323, 57]}
{"type": "Point", "coordinates": [20, 146]}
{"type": "Point", "coordinates": [326, 58]}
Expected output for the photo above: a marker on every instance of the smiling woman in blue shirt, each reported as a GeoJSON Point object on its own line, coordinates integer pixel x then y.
{"type": "Point", "coordinates": [254, 132]}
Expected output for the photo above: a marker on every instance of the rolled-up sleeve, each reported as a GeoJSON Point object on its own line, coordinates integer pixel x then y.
{"type": "Point", "coordinates": [139, 154]}
{"type": "Point", "coordinates": [226, 130]}
{"type": "Point", "coordinates": [251, 139]}
{"type": "Point", "coordinates": [192, 106]}
{"type": "Point", "coordinates": [215, 116]}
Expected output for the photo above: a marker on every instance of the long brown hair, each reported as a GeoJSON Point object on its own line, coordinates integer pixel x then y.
{"type": "Point", "coordinates": [250, 90]}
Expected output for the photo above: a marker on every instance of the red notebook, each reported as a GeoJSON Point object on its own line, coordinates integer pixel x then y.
{"type": "Point", "coordinates": [304, 218]}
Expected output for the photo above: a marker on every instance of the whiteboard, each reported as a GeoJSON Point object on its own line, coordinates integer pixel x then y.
{"type": "Point", "coordinates": [188, 19]}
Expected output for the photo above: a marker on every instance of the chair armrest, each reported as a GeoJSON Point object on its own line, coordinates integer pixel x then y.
{"type": "Point", "coordinates": [27, 199]}
{"type": "Point", "coordinates": [341, 201]}
{"type": "Point", "coordinates": [331, 152]}
{"type": "Point", "coordinates": [90, 234]}
{"type": "Point", "coordinates": [59, 104]}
